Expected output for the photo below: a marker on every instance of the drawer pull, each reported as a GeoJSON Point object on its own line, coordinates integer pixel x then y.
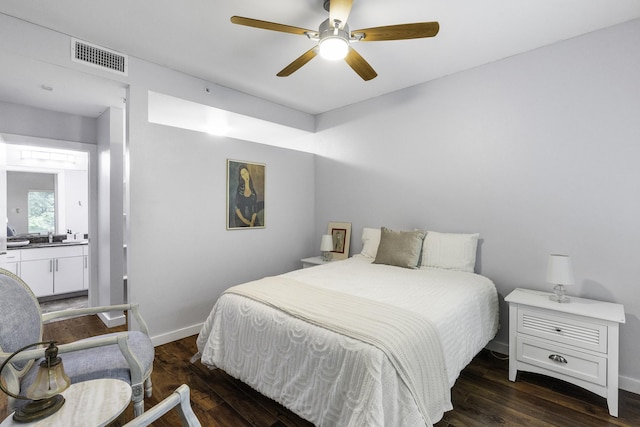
{"type": "Point", "coordinates": [557, 358]}
{"type": "Point", "coordinates": [558, 329]}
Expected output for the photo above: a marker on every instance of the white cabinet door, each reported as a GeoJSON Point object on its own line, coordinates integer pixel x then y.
{"type": "Point", "coordinates": [53, 270]}
{"type": "Point", "coordinates": [38, 274]}
{"type": "Point", "coordinates": [68, 274]}
{"type": "Point", "coordinates": [11, 266]}
{"type": "Point", "coordinates": [11, 261]}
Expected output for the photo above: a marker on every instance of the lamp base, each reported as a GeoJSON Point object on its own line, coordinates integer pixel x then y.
{"type": "Point", "coordinates": [326, 256]}
{"type": "Point", "coordinates": [559, 295]}
{"type": "Point", "coordinates": [39, 409]}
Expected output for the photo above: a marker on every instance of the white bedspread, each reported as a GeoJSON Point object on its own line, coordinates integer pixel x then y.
{"type": "Point", "coordinates": [333, 380]}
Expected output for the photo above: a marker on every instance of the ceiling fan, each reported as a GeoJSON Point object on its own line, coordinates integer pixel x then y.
{"type": "Point", "coordinates": [334, 38]}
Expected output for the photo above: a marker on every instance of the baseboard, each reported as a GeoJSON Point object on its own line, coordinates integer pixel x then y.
{"type": "Point", "coordinates": [176, 335]}
{"type": "Point", "coordinates": [113, 319]}
{"type": "Point", "coordinates": [631, 385]}
{"type": "Point", "coordinates": [498, 347]}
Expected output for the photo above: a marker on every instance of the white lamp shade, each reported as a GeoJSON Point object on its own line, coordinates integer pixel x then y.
{"type": "Point", "coordinates": [559, 271]}
{"type": "Point", "coordinates": [326, 244]}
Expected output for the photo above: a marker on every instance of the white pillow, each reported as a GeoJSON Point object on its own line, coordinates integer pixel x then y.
{"type": "Point", "coordinates": [370, 242]}
{"type": "Point", "coordinates": [452, 251]}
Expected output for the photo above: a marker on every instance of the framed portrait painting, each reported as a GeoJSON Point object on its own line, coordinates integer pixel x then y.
{"type": "Point", "coordinates": [245, 195]}
{"type": "Point", "coordinates": [341, 235]}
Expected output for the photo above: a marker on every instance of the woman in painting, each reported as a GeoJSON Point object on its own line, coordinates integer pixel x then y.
{"type": "Point", "coordinates": [246, 204]}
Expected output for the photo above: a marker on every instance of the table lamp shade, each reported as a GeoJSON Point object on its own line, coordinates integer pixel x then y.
{"type": "Point", "coordinates": [559, 270]}
{"type": "Point", "coordinates": [326, 244]}
{"type": "Point", "coordinates": [43, 395]}
{"type": "Point", "coordinates": [51, 380]}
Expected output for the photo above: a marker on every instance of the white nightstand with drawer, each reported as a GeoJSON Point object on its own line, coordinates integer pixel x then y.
{"type": "Point", "coordinates": [576, 342]}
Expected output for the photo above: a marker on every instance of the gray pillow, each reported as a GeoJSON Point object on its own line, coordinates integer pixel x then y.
{"type": "Point", "coordinates": [399, 248]}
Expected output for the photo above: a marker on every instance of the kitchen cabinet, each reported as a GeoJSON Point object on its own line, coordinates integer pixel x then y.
{"type": "Point", "coordinates": [53, 270]}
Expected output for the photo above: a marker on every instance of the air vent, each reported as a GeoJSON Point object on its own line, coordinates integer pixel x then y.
{"type": "Point", "coordinates": [99, 57]}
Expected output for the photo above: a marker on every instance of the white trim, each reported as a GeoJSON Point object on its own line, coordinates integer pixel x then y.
{"type": "Point", "coordinates": [177, 334]}
{"type": "Point", "coordinates": [631, 385]}
{"type": "Point", "coordinates": [111, 320]}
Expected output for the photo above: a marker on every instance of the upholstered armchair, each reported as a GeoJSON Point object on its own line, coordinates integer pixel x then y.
{"type": "Point", "coordinates": [123, 355]}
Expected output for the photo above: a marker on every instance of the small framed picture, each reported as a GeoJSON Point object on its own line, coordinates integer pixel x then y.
{"type": "Point", "coordinates": [341, 235]}
{"type": "Point", "coordinates": [245, 195]}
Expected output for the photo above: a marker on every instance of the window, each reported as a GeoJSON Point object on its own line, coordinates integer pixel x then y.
{"type": "Point", "coordinates": [41, 205]}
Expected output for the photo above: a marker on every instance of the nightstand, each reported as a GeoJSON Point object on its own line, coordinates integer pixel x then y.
{"type": "Point", "coordinates": [576, 342]}
{"type": "Point", "coordinates": [313, 261]}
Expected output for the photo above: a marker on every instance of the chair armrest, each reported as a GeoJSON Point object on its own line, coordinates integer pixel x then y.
{"type": "Point", "coordinates": [119, 339]}
{"type": "Point", "coordinates": [83, 311]}
{"type": "Point", "coordinates": [65, 348]}
{"type": "Point", "coordinates": [180, 399]}
{"type": "Point", "coordinates": [134, 308]}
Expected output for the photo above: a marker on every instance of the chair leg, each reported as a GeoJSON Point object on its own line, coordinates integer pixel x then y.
{"type": "Point", "coordinates": [137, 396]}
{"type": "Point", "coordinates": [148, 387]}
{"type": "Point", "coordinates": [138, 408]}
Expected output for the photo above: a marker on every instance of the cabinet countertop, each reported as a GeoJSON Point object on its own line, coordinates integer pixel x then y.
{"type": "Point", "coordinates": [49, 245]}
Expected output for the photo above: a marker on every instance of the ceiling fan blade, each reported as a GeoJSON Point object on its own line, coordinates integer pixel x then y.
{"type": "Point", "coordinates": [416, 30]}
{"type": "Point", "coordinates": [340, 10]}
{"type": "Point", "coordinates": [359, 65]}
{"type": "Point", "coordinates": [266, 25]}
{"type": "Point", "coordinates": [299, 62]}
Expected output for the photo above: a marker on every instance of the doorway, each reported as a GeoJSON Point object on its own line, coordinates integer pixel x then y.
{"type": "Point", "coordinates": [47, 207]}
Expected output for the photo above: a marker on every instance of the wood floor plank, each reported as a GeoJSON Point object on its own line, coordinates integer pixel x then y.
{"type": "Point", "coordinates": [482, 396]}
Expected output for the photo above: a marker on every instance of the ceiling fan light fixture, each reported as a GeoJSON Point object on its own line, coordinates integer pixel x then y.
{"type": "Point", "coordinates": [334, 38]}
{"type": "Point", "coordinates": [333, 41]}
{"type": "Point", "coordinates": [334, 48]}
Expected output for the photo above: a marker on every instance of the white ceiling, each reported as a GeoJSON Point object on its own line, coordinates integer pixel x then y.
{"type": "Point", "coordinates": [196, 37]}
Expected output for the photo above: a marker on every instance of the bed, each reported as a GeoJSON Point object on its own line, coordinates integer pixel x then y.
{"type": "Point", "coordinates": [366, 341]}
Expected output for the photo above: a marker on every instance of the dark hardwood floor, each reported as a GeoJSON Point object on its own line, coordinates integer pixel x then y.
{"type": "Point", "coordinates": [482, 396]}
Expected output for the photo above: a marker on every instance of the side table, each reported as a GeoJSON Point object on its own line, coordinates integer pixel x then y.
{"type": "Point", "coordinates": [312, 261]}
{"type": "Point", "coordinates": [576, 342]}
{"type": "Point", "coordinates": [89, 403]}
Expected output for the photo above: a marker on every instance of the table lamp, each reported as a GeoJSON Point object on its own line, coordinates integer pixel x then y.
{"type": "Point", "coordinates": [560, 273]}
{"type": "Point", "coordinates": [326, 246]}
{"type": "Point", "coordinates": [43, 394]}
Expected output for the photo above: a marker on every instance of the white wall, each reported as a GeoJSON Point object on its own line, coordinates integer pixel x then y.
{"type": "Point", "coordinates": [180, 254]}
{"type": "Point", "coordinates": [24, 120]}
{"type": "Point", "coordinates": [538, 153]}
{"type": "Point", "coordinates": [76, 201]}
